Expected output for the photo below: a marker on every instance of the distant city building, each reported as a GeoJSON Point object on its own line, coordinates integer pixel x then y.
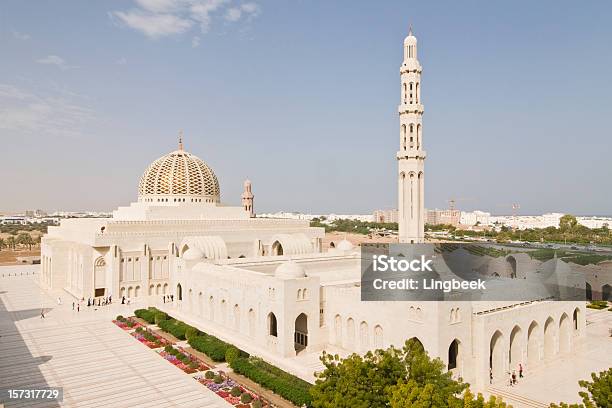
{"type": "Point", "coordinates": [383, 216]}
{"type": "Point", "coordinates": [474, 218]}
{"type": "Point", "coordinates": [447, 217]}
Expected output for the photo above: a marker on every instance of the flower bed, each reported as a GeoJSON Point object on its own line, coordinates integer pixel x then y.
{"type": "Point", "coordinates": [231, 391]}
{"type": "Point", "coordinates": [182, 359]}
{"type": "Point", "coordinates": [149, 339]}
{"type": "Point", "coordinates": [126, 323]}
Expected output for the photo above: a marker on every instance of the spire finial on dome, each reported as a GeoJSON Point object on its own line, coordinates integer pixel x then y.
{"type": "Point", "coordinates": [410, 29]}
{"type": "Point", "coordinates": [180, 147]}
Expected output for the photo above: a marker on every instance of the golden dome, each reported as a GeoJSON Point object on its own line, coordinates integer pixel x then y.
{"type": "Point", "coordinates": [179, 174]}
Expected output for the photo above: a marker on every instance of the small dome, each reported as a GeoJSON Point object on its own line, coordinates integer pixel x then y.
{"type": "Point", "coordinates": [179, 174]}
{"type": "Point", "coordinates": [193, 254]}
{"type": "Point", "coordinates": [345, 245]}
{"type": "Point", "coordinates": [289, 270]}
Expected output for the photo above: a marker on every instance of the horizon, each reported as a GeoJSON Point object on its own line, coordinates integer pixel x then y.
{"type": "Point", "coordinates": [85, 109]}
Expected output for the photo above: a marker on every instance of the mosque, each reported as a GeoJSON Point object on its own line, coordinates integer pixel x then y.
{"type": "Point", "coordinates": [269, 287]}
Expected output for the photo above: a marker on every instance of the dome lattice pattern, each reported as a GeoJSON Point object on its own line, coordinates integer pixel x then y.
{"type": "Point", "coordinates": [179, 173]}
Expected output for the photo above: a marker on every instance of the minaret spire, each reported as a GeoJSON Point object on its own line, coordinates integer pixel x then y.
{"type": "Point", "coordinates": [180, 144]}
{"type": "Point", "coordinates": [411, 155]}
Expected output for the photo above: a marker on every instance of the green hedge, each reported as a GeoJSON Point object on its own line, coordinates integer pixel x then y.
{"type": "Point", "coordinates": [284, 384]}
{"type": "Point", "coordinates": [175, 328]}
{"type": "Point", "coordinates": [210, 345]}
{"type": "Point", "coordinates": [152, 315]}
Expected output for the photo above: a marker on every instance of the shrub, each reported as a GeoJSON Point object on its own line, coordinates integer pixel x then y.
{"type": "Point", "coordinates": [284, 384]}
{"type": "Point", "coordinates": [257, 404]}
{"type": "Point", "coordinates": [231, 354]}
{"type": "Point", "coordinates": [209, 375]}
{"type": "Point", "coordinates": [120, 318]}
{"type": "Point", "coordinates": [236, 391]}
{"type": "Point", "coordinates": [139, 329]}
{"type": "Point", "coordinates": [245, 398]}
{"type": "Point", "coordinates": [194, 365]}
{"type": "Point", "coordinates": [168, 348]}
{"type": "Point", "coordinates": [209, 345]}
{"type": "Point", "coordinates": [218, 379]}
{"type": "Point", "coordinates": [191, 331]}
{"type": "Point", "coordinates": [174, 327]}
{"type": "Point", "coordinates": [159, 316]}
{"type": "Point", "coordinates": [145, 314]}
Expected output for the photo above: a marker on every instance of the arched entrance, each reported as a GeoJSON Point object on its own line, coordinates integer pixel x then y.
{"type": "Point", "coordinates": [272, 325]}
{"type": "Point", "coordinates": [564, 334]}
{"type": "Point", "coordinates": [277, 248]}
{"type": "Point", "coordinates": [350, 331]}
{"type": "Point", "coordinates": [533, 344]}
{"type": "Point", "coordinates": [549, 338]}
{"type": "Point", "coordinates": [589, 292]}
{"type": "Point", "coordinates": [454, 358]}
{"type": "Point", "coordinates": [99, 277]}
{"type": "Point", "coordinates": [606, 292]}
{"type": "Point", "coordinates": [496, 355]}
{"type": "Point", "coordinates": [576, 319]}
{"type": "Point", "coordinates": [418, 342]}
{"type": "Point", "coordinates": [512, 266]}
{"type": "Point", "coordinates": [300, 335]}
{"type": "Point", "coordinates": [179, 292]}
{"type": "Point", "coordinates": [516, 347]}
{"type": "Point", "coordinates": [378, 337]}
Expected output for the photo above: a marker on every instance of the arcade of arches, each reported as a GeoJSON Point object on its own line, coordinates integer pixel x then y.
{"type": "Point", "coordinates": [531, 346]}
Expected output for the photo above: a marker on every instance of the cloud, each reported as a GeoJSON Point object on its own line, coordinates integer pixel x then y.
{"type": "Point", "coordinates": [161, 18]}
{"type": "Point", "coordinates": [55, 60]}
{"type": "Point", "coordinates": [247, 10]}
{"type": "Point", "coordinates": [121, 61]}
{"type": "Point", "coordinates": [154, 25]}
{"type": "Point", "coordinates": [22, 111]}
{"type": "Point", "coordinates": [195, 42]}
{"type": "Point", "coordinates": [20, 36]}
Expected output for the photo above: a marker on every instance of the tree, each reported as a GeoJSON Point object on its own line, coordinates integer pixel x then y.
{"type": "Point", "coordinates": [25, 239]}
{"type": "Point", "coordinates": [383, 378]}
{"type": "Point", "coordinates": [598, 392]}
{"type": "Point", "coordinates": [11, 242]}
{"type": "Point", "coordinates": [567, 223]}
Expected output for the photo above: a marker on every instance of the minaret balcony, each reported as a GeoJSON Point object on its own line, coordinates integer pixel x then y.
{"type": "Point", "coordinates": [411, 154]}
{"type": "Point", "coordinates": [410, 108]}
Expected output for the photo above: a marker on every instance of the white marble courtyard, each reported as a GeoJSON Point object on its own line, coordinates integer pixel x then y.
{"type": "Point", "coordinates": [97, 363]}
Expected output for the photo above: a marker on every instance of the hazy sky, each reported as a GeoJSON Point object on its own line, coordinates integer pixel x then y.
{"type": "Point", "coordinates": [301, 97]}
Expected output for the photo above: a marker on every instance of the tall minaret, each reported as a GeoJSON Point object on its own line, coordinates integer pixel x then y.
{"type": "Point", "coordinates": [411, 156]}
{"type": "Point", "coordinates": [247, 198]}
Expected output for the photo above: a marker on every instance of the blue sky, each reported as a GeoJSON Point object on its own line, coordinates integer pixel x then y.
{"type": "Point", "coordinates": [301, 97]}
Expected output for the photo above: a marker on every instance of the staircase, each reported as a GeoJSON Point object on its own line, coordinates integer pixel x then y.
{"type": "Point", "coordinates": [517, 401]}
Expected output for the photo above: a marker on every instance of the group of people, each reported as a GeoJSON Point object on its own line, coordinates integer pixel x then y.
{"type": "Point", "coordinates": [102, 301]}
{"type": "Point", "coordinates": [168, 298]}
{"type": "Point", "coordinates": [512, 378]}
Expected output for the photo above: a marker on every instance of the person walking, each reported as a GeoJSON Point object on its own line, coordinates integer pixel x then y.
{"type": "Point", "coordinates": [490, 376]}
{"type": "Point", "coordinates": [123, 300]}
{"type": "Point", "coordinates": [520, 370]}
{"type": "Point", "coordinates": [72, 305]}
{"type": "Point", "coordinates": [164, 298]}
{"type": "Point", "coordinates": [513, 377]}
{"type": "Point", "coordinates": [78, 307]}
{"type": "Point", "coordinates": [42, 313]}
{"type": "Point", "coordinates": [59, 300]}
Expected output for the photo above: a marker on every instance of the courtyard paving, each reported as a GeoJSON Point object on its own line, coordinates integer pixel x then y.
{"type": "Point", "coordinates": [97, 363]}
